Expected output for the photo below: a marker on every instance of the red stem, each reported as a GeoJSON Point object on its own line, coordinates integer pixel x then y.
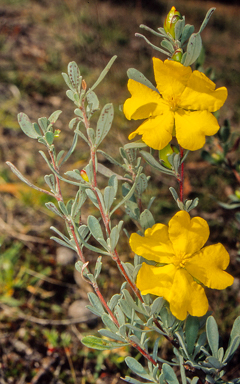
{"type": "Point", "coordinates": [181, 181]}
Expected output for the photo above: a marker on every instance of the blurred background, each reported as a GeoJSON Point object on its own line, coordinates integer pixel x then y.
{"type": "Point", "coordinates": [42, 299]}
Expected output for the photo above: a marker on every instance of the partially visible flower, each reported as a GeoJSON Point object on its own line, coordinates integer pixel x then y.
{"type": "Point", "coordinates": [169, 24]}
{"type": "Point", "coordinates": [182, 265]}
{"type": "Point", "coordinates": [181, 106]}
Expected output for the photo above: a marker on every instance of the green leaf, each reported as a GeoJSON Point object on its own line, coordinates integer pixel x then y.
{"type": "Point", "coordinates": [167, 45]}
{"type": "Point", "coordinates": [113, 301]}
{"type": "Point", "coordinates": [132, 303]}
{"type": "Point", "coordinates": [110, 158]}
{"type": "Point", "coordinates": [27, 127]}
{"type": "Point", "coordinates": [113, 182]}
{"type": "Point", "coordinates": [136, 75]}
{"type": "Point", "coordinates": [154, 163]}
{"type": "Point", "coordinates": [74, 75]}
{"type": "Point", "coordinates": [187, 31]}
{"type": "Point", "coordinates": [43, 123]}
{"type": "Point", "coordinates": [53, 208]}
{"type": "Point", "coordinates": [152, 45]}
{"type": "Point", "coordinates": [235, 329]}
{"type": "Point", "coordinates": [96, 303]}
{"type": "Point", "coordinates": [142, 183]}
{"type": "Point", "coordinates": [101, 344]}
{"type": "Point", "coordinates": [62, 243]}
{"type": "Point", "coordinates": [137, 368]}
{"type": "Point", "coordinates": [70, 94]}
{"type": "Point", "coordinates": [93, 101]}
{"type": "Point", "coordinates": [157, 305]}
{"type": "Point", "coordinates": [129, 194]}
{"type": "Point", "coordinates": [191, 332]}
{"type": "Point", "coordinates": [234, 340]}
{"type": "Point", "coordinates": [104, 123]}
{"type": "Point", "coordinates": [71, 149]}
{"type": "Point", "coordinates": [114, 235]}
{"type": "Point", "coordinates": [206, 19]}
{"type": "Point", "coordinates": [109, 195]}
{"type": "Point", "coordinates": [109, 323]}
{"type": "Point", "coordinates": [95, 227]}
{"type": "Point", "coordinates": [49, 136]}
{"type": "Point", "coordinates": [179, 27]}
{"type": "Point", "coordinates": [193, 49]}
{"type": "Point", "coordinates": [146, 219]}
{"type": "Point", "coordinates": [63, 208]}
{"type": "Point", "coordinates": [212, 335]}
{"type": "Point", "coordinates": [111, 335]}
{"type": "Point", "coordinates": [103, 73]}
{"type": "Point", "coordinates": [54, 116]}
{"type": "Point", "coordinates": [169, 374]}
{"type": "Point", "coordinates": [67, 81]}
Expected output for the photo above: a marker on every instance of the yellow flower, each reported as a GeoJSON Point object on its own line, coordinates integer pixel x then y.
{"type": "Point", "coordinates": [181, 106]}
{"type": "Point", "coordinates": [182, 265]}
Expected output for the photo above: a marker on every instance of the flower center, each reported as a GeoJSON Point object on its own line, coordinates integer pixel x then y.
{"type": "Point", "coordinates": [173, 102]}
{"type": "Point", "coordinates": [179, 260]}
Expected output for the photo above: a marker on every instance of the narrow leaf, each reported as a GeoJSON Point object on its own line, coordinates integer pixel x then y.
{"type": "Point", "coordinates": [104, 123]}
{"type": "Point", "coordinates": [212, 335]}
{"type": "Point", "coordinates": [101, 344]}
{"type": "Point", "coordinates": [103, 73]}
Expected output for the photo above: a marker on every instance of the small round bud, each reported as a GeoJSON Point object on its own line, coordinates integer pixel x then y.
{"type": "Point", "coordinates": [171, 20]}
{"type": "Point", "coordinates": [177, 56]}
{"type": "Point", "coordinates": [84, 175]}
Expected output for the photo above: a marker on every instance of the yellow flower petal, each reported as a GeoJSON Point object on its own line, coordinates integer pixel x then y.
{"type": "Point", "coordinates": [171, 77]}
{"type": "Point", "coordinates": [200, 94]}
{"type": "Point", "coordinates": [143, 103]}
{"type": "Point", "coordinates": [187, 235]}
{"type": "Point", "coordinates": [192, 127]}
{"type": "Point", "coordinates": [156, 131]}
{"type": "Point", "coordinates": [155, 245]}
{"type": "Point", "coordinates": [208, 266]}
{"type": "Point", "coordinates": [187, 296]}
{"type": "Point", "coordinates": [156, 280]}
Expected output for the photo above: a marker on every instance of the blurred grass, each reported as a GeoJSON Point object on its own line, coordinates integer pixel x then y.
{"type": "Point", "coordinates": [37, 40]}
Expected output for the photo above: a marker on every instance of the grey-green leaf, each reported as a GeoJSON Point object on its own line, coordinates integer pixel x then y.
{"type": "Point", "coordinates": [136, 75]}
{"type": "Point", "coordinates": [191, 332]}
{"type": "Point", "coordinates": [104, 123]}
{"type": "Point", "coordinates": [74, 75]}
{"type": "Point", "coordinates": [95, 227]}
{"type": "Point", "coordinates": [187, 31]}
{"type": "Point", "coordinates": [96, 303]}
{"type": "Point", "coordinates": [137, 368]}
{"type": "Point", "coordinates": [169, 374]}
{"type": "Point", "coordinates": [54, 116]}
{"type": "Point", "coordinates": [212, 335]}
{"type": "Point", "coordinates": [146, 219]}
{"type": "Point", "coordinates": [103, 73]}
{"type": "Point", "coordinates": [27, 127]}
{"type": "Point", "coordinates": [193, 49]}
{"type": "Point", "coordinates": [101, 344]}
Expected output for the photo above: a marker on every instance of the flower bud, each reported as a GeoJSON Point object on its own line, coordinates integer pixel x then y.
{"type": "Point", "coordinates": [57, 132]}
{"type": "Point", "coordinates": [84, 175]}
{"type": "Point", "coordinates": [171, 20]}
{"type": "Point", "coordinates": [165, 152]}
{"type": "Point", "coordinates": [237, 193]}
{"type": "Point", "coordinates": [177, 56]}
